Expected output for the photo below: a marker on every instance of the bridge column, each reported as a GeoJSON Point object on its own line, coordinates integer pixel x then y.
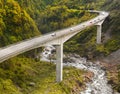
{"type": "Point", "coordinates": [59, 62]}
{"type": "Point", "coordinates": [99, 30]}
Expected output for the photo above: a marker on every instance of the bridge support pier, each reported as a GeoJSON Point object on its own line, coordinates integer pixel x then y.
{"type": "Point", "coordinates": [99, 30]}
{"type": "Point", "coordinates": [59, 62]}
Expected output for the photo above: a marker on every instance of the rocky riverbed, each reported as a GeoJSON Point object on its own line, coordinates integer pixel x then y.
{"type": "Point", "coordinates": [98, 84]}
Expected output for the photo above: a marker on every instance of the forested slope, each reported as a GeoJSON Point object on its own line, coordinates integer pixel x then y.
{"type": "Point", "coordinates": [15, 23]}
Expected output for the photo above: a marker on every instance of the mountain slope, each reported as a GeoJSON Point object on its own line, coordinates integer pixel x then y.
{"type": "Point", "coordinates": [15, 23]}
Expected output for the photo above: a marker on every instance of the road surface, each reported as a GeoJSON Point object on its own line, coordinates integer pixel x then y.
{"type": "Point", "coordinates": [29, 44]}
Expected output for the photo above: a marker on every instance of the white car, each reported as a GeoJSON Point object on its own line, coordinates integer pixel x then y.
{"type": "Point", "coordinates": [71, 29]}
{"type": "Point", "coordinates": [53, 34]}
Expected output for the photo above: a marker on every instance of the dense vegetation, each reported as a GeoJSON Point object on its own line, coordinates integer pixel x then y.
{"type": "Point", "coordinates": [15, 23]}
{"type": "Point", "coordinates": [21, 75]}
{"type": "Point", "coordinates": [22, 19]}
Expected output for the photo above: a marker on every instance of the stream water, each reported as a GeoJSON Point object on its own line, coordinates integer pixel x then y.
{"type": "Point", "coordinates": [98, 84]}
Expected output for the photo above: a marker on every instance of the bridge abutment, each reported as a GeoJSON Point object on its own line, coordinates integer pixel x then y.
{"type": "Point", "coordinates": [59, 62]}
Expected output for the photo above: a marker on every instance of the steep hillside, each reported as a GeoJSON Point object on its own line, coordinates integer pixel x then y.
{"type": "Point", "coordinates": [15, 23]}
{"type": "Point", "coordinates": [21, 75]}
{"type": "Point", "coordinates": [51, 15]}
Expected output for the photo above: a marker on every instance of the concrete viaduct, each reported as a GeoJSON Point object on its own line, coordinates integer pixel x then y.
{"type": "Point", "coordinates": [55, 38]}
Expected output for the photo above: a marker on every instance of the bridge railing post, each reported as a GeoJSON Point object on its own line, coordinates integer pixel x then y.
{"type": "Point", "coordinates": [59, 62]}
{"type": "Point", "coordinates": [99, 30]}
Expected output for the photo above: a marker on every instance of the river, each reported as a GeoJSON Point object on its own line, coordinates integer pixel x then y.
{"type": "Point", "coordinates": [98, 84]}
